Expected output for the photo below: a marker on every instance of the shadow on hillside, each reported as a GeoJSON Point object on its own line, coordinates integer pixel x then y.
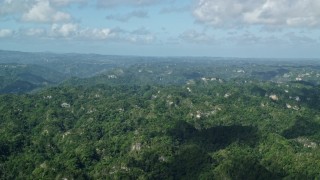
{"type": "Point", "coordinates": [18, 87]}
{"type": "Point", "coordinates": [193, 157]}
{"type": "Point", "coordinates": [310, 97]}
{"type": "Point", "coordinates": [302, 127]}
{"type": "Point", "coordinates": [268, 75]}
{"type": "Point", "coordinates": [215, 138]}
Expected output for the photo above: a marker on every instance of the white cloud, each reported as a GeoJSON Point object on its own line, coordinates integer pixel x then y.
{"type": "Point", "coordinates": [43, 12]}
{"type": "Point", "coordinates": [140, 36]}
{"type": "Point", "coordinates": [141, 31]}
{"type": "Point", "coordinates": [8, 7]}
{"type": "Point", "coordinates": [65, 30]}
{"type": "Point", "coordinates": [127, 17]}
{"type": "Point", "coordinates": [96, 33]}
{"type": "Point", "coordinates": [140, 39]}
{"type": "Point", "coordinates": [192, 36]}
{"type": "Point", "coordinates": [34, 32]}
{"type": "Point", "coordinates": [60, 16]}
{"type": "Point", "coordinates": [67, 2]}
{"type": "Point", "coordinates": [288, 13]}
{"type": "Point", "coordinates": [76, 32]}
{"type": "Point", "coordinates": [69, 31]}
{"type": "Point", "coordinates": [5, 33]}
{"type": "Point", "coordinates": [175, 9]}
{"type": "Point", "coordinates": [295, 38]}
{"type": "Point", "coordinates": [112, 3]}
{"type": "Point", "coordinates": [284, 39]}
{"type": "Point", "coordinates": [137, 36]}
{"type": "Point", "coordinates": [249, 38]}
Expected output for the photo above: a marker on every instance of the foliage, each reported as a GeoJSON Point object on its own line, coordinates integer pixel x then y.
{"type": "Point", "coordinates": [158, 120]}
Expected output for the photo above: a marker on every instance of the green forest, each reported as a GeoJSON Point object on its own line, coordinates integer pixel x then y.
{"type": "Point", "coordinates": [165, 119]}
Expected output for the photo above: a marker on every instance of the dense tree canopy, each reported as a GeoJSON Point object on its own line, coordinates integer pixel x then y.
{"type": "Point", "coordinates": [165, 121]}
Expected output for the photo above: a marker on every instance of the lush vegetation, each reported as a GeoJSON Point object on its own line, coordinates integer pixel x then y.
{"type": "Point", "coordinates": [167, 120]}
{"type": "Point", "coordinates": [21, 78]}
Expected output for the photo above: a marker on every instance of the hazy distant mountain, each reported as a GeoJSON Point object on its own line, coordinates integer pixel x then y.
{"type": "Point", "coordinates": [18, 78]}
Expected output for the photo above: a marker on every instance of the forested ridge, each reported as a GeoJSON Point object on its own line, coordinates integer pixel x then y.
{"type": "Point", "coordinates": [161, 119]}
{"type": "Point", "coordinates": [204, 130]}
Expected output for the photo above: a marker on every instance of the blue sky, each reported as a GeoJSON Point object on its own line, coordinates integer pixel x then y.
{"type": "Point", "coordinates": [224, 28]}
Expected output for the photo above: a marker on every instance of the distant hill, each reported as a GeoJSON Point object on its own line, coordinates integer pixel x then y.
{"type": "Point", "coordinates": [71, 65]}
{"type": "Point", "coordinates": [21, 78]}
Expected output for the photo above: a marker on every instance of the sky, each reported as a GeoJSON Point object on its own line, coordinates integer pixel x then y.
{"type": "Point", "coordinates": [218, 28]}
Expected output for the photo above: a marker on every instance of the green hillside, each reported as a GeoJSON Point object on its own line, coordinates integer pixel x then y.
{"type": "Point", "coordinates": [162, 119]}
{"type": "Point", "coordinates": [21, 78]}
{"type": "Point", "coordinates": [218, 130]}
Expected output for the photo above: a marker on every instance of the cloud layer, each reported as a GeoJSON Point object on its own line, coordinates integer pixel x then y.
{"type": "Point", "coordinates": [233, 13]}
{"type": "Point", "coordinates": [38, 11]}
{"type": "Point", "coordinates": [124, 18]}
{"type": "Point", "coordinates": [5, 33]}
{"type": "Point", "coordinates": [112, 3]}
{"type": "Point", "coordinates": [75, 32]}
{"type": "Point", "coordinates": [43, 12]}
{"type": "Point", "coordinates": [193, 23]}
